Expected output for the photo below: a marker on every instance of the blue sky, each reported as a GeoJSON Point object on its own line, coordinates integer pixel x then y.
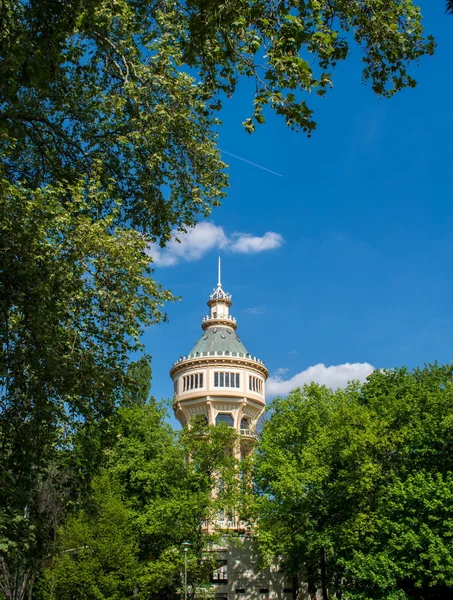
{"type": "Point", "coordinates": [358, 265]}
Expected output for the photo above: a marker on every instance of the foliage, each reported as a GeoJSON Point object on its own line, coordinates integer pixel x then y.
{"type": "Point", "coordinates": [110, 81]}
{"type": "Point", "coordinates": [411, 554]}
{"type": "Point", "coordinates": [96, 86]}
{"type": "Point", "coordinates": [308, 492]}
{"type": "Point", "coordinates": [290, 48]}
{"type": "Point", "coordinates": [97, 554]}
{"type": "Point", "coordinates": [69, 321]}
{"type": "Point", "coordinates": [137, 390]}
{"type": "Point", "coordinates": [155, 498]}
{"type": "Point", "coordinates": [69, 317]}
{"type": "Point", "coordinates": [355, 485]}
{"type": "Point", "coordinates": [411, 541]}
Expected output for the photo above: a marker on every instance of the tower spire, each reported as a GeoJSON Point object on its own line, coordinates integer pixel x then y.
{"type": "Point", "coordinates": [220, 280]}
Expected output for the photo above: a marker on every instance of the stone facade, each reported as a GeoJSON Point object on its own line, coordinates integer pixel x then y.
{"type": "Point", "coordinates": [240, 577]}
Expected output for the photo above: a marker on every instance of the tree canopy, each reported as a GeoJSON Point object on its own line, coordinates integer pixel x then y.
{"type": "Point", "coordinates": [125, 541]}
{"type": "Point", "coordinates": [355, 486]}
{"type": "Point", "coordinates": [133, 87]}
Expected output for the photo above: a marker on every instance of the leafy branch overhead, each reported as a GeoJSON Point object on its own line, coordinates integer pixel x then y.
{"type": "Point", "coordinates": [290, 48]}
{"type": "Point", "coordinates": [136, 85]}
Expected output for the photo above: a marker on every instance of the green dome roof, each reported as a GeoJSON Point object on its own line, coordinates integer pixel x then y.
{"type": "Point", "coordinates": [219, 339]}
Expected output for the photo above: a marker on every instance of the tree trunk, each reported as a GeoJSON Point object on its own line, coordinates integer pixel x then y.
{"type": "Point", "coordinates": [30, 587]}
{"type": "Point", "coordinates": [338, 592]}
{"type": "Point", "coordinates": [325, 595]}
{"type": "Point", "coordinates": [311, 581]}
{"type": "Point", "coordinates": [295, 587]}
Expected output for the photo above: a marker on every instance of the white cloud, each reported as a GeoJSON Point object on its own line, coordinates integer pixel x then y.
{"type": "Point", "coordinates": [281, 371]}
{"type": "Point", "coordinates": [255, 310]}
{"type": "Point", "coordinates": [333, 377]}
{"type": "Point", "coordinates": [194, 244]}
{"type": "Point", "coordinates": [250, 244]}
{"type": "Point", "coordinates": [207, 236]}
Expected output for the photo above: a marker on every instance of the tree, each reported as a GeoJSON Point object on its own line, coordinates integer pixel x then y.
{"type": "Point", "coordinates": [311, 498]}
{"type": "Point", "coordinates": [409, 552]}
{"type": "Point", "coordinates": [139, 374]}
{"type": "Point", "coordinates": [70, 319]}
{"type": "Point", "coordinates": [355, 486]}
{"type": "Point", "coordinates": [93, 83]}
{"type": "Point", "coordinates": [97, 550]}
{"type": "Point", "coordinates": [154, 497]}
{"type": "Point", "coordinates": [450, 6]}
{"type": "Point", "coordinates": [132, 106]}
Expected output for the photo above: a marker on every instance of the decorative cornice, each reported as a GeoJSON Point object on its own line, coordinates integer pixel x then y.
{"type": "Point", "coordinates": [219, 322]}
{"type": "Point", "coordinates": [215, 358]}
{"type": "Point", "coordinates": [254, 404]}
{"type": "Point", "coordinates": [216, 299]}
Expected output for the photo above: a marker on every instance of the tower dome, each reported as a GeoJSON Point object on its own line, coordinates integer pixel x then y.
{"type": "Point", "coordinates": [218, 378]}
{"type": "Point", "coordinates": [219, 339]}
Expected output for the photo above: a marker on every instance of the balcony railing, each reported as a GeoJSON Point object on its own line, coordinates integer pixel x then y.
{"type": "Point", "coordinates": [234, 523]}
{"type": "Point", "coordinates": [226, 353]}
{"type": "Point", "coordinates": [219, 578]}
{"type": "Point", "coordinates": [219, 318]}
{"type": "Point", "coordinates": [247, 433]}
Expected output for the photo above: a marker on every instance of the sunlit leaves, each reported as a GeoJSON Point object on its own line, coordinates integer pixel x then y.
{"type": "Point", "coordinates": [362, 477]}
{"type": "Point", "coordinates": [289, 48]}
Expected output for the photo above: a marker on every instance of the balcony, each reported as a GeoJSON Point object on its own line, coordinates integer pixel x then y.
{"type": "Point", "coordinates": [228, 318]}
{"type": "Point", "coordinates": [248, 433]}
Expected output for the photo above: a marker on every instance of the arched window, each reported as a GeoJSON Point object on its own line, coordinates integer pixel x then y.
{"type": "Point", "coordinates": [244, 423]}
{"type": "Point", "coordinates": [225, 418]}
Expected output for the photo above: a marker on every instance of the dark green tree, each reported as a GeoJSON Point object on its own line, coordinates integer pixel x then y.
{"type": "Point", "coordinates": [138, 384]}
{"type": "Point", "coordinates": [97, 550]}
{"type": "Point", "coordinates": [408, 552]}
{"type": "Point", "coordinates": [69, 321]}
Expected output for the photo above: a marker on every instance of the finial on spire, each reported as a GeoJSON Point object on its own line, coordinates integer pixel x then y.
{"type": "Point", "coordinates": [219, 293]}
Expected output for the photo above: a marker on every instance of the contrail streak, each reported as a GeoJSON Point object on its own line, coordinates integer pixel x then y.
{"type": "Point", "coordinates": [250, 162]}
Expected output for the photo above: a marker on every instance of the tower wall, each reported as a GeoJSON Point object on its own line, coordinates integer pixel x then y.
{"type": "Point", "coordinates": [211, 386]}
